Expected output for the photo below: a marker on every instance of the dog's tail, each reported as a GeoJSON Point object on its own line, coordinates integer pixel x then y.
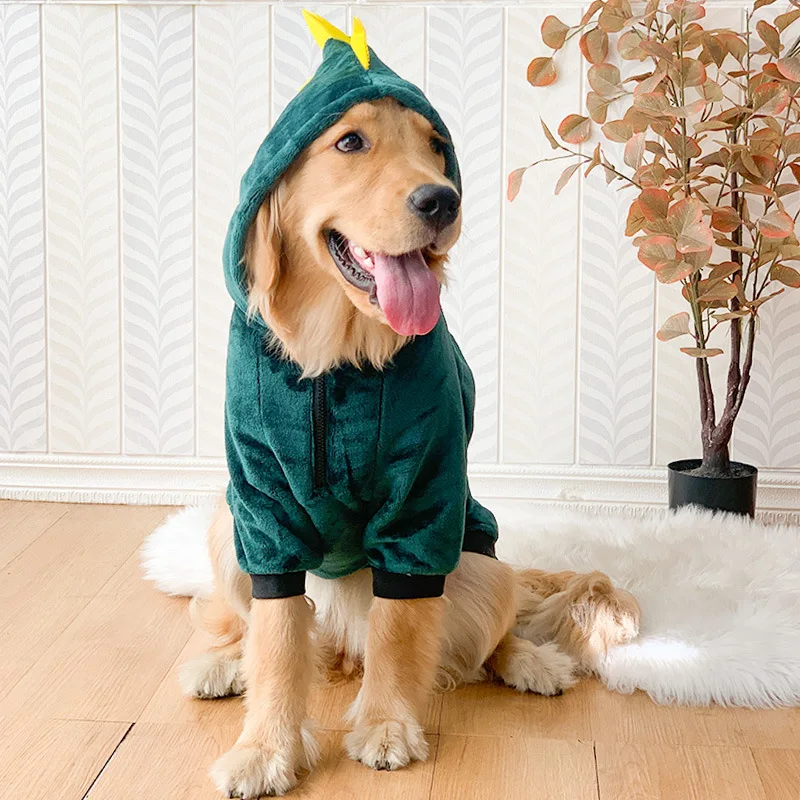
{"type": "Point", "coordinates": [175, 556]}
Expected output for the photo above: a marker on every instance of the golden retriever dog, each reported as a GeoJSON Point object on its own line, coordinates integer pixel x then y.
{"type": "Point", "coordinates": [530, 630]}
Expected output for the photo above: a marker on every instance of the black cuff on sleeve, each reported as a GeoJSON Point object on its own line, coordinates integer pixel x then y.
{"type": "Point", "coordinates": [478, 542]}
{"type": "Point", "coordinates": [393, 586]}
{"type": "Point", "coordinates": [269, 587]}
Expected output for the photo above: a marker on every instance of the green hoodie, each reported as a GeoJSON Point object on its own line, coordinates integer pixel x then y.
{"type": "Point", "coordinates": [354, 468]}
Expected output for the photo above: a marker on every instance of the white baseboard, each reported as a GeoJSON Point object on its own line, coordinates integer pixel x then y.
{"type": "Point", "coordinates": [181, 481]}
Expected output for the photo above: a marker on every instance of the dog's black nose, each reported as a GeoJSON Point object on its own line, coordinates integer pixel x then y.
{"type": "Point", "coordinates": [435, 204]}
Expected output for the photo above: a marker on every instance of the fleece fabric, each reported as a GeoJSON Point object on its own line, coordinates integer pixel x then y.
{"type": "Point", "coordinates": [377, 479]}
{"type": "Point", "coordinates": [355, 468]}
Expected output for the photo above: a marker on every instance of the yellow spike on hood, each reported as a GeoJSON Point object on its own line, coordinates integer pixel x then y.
{"type": "Point", "coordinates": [322, 30]}
{"type": "Point", "coordinates": [358, 41]}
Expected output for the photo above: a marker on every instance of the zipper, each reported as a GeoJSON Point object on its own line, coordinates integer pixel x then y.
{"type": "Point", "coordinates": [319, 429]}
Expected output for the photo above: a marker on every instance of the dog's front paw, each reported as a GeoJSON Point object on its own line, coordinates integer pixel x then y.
{"type": "Point", "coordinates": [248, 771]}
{"type": "Point", "coordinates": [543, 669]}
{"type": "Point", "coordinates": [211, 675]}
{"type": "Point", "coordinates": [387, 745]}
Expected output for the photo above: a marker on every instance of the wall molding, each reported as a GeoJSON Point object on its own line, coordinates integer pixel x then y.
{"type": "Point", "coordinates": [180, 481]}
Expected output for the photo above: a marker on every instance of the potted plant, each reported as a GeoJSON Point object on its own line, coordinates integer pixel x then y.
{"type": "Point", "coordinates": [707, 125]}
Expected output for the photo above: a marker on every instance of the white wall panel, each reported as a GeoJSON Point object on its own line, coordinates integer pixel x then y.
{"type": "Point", "coordinates": [465, 80]}
{"type": "Point", "coordinates": [157, 222]}
{"type": "Point", "coordinates": [114, 205]}
{"type": "Point", "coordinates": [22, 316]}
{"type": "Point", "coordinates": [233, 116]}
{"type": "Point", "coordinates": [80, 90]}
{"type": "Point", "coordinates": [768, 431]}
{"type": "Point", "coordinates": [616, 333]}
{"type": "Point", "coordinates": [397, 35]}
{"type": "Point", "coordinates": [540, 259]}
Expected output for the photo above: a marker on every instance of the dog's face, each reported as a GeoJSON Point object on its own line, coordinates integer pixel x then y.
{"type": "Point", "coordinates": [369, 201]}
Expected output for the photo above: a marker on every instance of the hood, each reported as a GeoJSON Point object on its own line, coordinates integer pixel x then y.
{"type": "Point", "coordinates": [350, 73]}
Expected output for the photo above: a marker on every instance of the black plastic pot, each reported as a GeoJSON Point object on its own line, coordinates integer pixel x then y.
{"type": "Point", "coordinates": [735, 493]}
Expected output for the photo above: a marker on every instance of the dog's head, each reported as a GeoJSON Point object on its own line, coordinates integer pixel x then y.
{"type": "Point", "coordinates": [356, 230]}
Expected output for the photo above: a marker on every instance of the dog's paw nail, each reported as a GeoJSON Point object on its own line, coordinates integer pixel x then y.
{"type": "Point", "coordinates": [387, 745]}
{"type": "Point", "coordinates": [250, 772]}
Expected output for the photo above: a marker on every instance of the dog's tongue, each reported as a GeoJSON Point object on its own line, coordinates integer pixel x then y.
{"type": "Point", "coordinates": [408, 292]}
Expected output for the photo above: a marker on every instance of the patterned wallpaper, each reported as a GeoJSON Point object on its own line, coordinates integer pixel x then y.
{"type": "Point", "coordinates": [124, 130]}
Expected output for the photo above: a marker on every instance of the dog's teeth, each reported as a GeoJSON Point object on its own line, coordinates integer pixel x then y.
{"type": "Point", "coordinates": [360, 252]}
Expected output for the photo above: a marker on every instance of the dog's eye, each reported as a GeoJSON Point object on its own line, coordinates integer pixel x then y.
{"type": "Point", "coordinates": [351, 143]}
{"type": "Point", "coordinates": [437, 145]}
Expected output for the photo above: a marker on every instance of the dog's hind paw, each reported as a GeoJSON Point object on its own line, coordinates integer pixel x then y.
{"type": "Point", "coordinates": [211, 675]}
{"type": "Point", "coordinates": [387, 745]}
{"type": "Point", "coordinates": [543, 669]}
{"type": "Point", "coordinates": [249, 771]}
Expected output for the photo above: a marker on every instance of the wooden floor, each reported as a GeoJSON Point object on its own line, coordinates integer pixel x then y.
{"type": "Point", "coordinates": [90, 707]}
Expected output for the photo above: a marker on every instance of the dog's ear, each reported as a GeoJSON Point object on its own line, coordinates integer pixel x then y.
{"type": "Point", "coordinates": [262, 257]}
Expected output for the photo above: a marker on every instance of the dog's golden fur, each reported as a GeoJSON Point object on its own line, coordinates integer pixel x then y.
{"type": "Point", "coordinates": [531, 630]}
{"type": "Point", "coordinates": [319, 319]}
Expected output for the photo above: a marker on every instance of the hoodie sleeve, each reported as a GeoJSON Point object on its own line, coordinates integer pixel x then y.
{"type": "Point", "coordinates": [414, 539]}
{"type": "Point", "coordinates": [480, 525]}
{"type": "Point", "coordinates": [276, 541]}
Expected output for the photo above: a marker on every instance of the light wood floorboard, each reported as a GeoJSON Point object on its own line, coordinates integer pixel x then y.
{"type": "Point", "coordinates": [89, 702]}
{"type": "Point", "coordinates": [676, 772]}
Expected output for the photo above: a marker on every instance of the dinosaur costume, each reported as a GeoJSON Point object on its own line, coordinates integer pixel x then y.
{"type": "Point", "coordinates": [358, 467]}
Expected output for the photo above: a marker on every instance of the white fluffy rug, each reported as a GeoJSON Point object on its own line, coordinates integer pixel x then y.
{"type": "Point", "coordinates": [720, 596]}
